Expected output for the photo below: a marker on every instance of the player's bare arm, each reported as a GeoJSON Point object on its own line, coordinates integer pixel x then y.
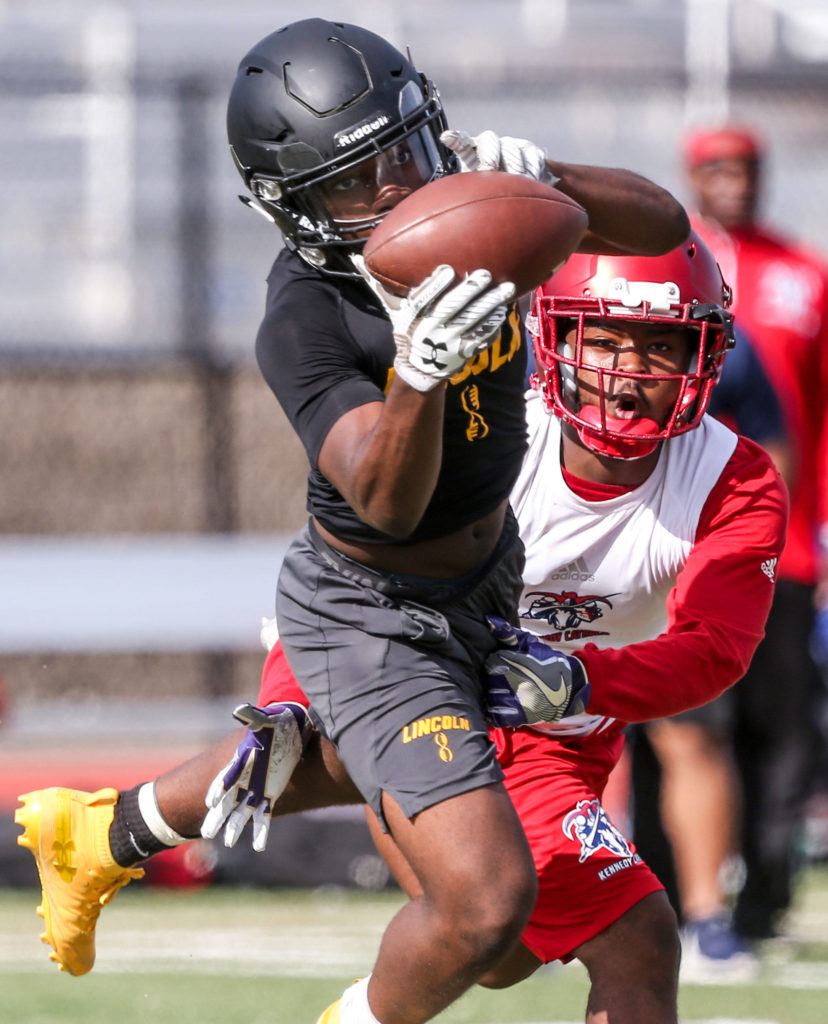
{"type": "Point", "coordinates": [355, 455]}
{"type": "Point", "coordinates": [627, 212]}
{"type": "Point", "coordinates": [384, 457]}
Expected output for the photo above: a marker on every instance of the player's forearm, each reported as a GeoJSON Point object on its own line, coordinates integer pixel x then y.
{"type": "Point", "coordinates": [667, 675]}
{"type": "Point", "coordinates": [626, 210]}
{"type": "Point", "coordinates": [320, 780]}
{"type": "Point", "coordinates": [180, 792]}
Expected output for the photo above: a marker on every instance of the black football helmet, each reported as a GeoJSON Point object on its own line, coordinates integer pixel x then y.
{"type": "Point", "coordinates": [313, 107]}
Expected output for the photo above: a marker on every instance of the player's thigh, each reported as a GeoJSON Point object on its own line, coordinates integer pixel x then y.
{"type": "Point", "coordinates": [589, 873]}
{"type": "Point", "coordinates": [470, 845]}
{"type": "Point", "coordinates": [680, 745]}
{"type": "Point", "coordinates": [393, 857]}
{"type": "Point", "coordinates": [516, 966]}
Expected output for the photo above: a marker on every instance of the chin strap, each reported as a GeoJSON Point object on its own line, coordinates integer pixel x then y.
{"type": "Point", "coordinates": [630, 446]}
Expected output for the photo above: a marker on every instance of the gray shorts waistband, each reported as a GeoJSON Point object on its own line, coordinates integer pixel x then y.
{"type": "Point", "coordinates": [401, 586]}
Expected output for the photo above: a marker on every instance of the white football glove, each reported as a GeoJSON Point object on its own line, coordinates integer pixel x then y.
{"type": "Point", "coordinates": [491, 152]}
{"type": "Point", "coordinates": [436, 330]}
{"type": "Point", "coordinates": [249, 785]}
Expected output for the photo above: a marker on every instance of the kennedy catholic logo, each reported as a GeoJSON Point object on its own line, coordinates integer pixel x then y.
{"type": "Point", "coordinates": [589, 825]}
{"type": "Point", "coordinates": [567, 612]}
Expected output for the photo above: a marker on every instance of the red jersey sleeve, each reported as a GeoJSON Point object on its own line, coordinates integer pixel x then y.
{"type": "Point", "coordinates": [717, 609]}
{"type": "Point", "coordinates": [278, 682]}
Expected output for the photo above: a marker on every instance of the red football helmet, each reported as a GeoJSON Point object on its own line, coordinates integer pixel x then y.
{"type": "Point", "coordinates": [683, 288]}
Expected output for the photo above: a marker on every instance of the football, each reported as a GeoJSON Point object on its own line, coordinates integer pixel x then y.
{"type": "Point", "coordinates": [515, 227]}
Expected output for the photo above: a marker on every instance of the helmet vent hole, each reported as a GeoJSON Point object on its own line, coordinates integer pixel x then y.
{"type": "Point", "coordinates": [691, 250]}
{"type": "Point", "coordinates": [251, 70]}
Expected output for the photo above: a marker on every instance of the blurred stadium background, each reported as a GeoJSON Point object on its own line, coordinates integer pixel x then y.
{"type": "Point", "coordinates": [149, 481]}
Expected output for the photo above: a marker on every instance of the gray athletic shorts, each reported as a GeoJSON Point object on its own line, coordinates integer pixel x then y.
{"type": "Point", "coordinates": [392, 664]}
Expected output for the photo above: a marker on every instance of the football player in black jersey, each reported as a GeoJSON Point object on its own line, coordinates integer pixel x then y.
{"type": "Point", "coordinates": [382, 599]}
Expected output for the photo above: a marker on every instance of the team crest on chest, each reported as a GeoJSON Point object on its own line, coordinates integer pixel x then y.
{"type": "Point", "coordinates": [567, 613]}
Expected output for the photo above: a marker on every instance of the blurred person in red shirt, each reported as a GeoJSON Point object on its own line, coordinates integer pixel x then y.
{"type": "Point", "coordinates": [769, 719]}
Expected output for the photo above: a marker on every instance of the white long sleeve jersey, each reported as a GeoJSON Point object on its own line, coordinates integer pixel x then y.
{"type": "Point", "coordinates": [600, 572]}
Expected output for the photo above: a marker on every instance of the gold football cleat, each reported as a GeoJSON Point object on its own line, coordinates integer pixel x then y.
{"type": "Point", "coordinates": [67, 832]}
{"type": "Point", "coordinates": [331, 1015]}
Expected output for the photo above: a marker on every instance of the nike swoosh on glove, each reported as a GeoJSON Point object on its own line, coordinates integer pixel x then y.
{"type": "Point", "coordinates": [528, 682]}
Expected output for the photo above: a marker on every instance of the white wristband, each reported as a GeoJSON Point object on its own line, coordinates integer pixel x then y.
{"type": "Point", "coordinates": [150, 812]}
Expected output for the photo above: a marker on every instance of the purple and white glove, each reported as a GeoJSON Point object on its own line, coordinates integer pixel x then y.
{"type": "Point", "coordinates": [528, 682]}
{"type": "Point", "coordinates": [249, 785]}
{"type": "Point", "coordinates": [491, 152]}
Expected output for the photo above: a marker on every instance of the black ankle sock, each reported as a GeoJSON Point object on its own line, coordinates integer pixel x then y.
{"type": "Point", "coordinates": [129, 838]}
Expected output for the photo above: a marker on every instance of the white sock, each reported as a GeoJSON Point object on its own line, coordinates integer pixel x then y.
{"type": "Point", "coordinates": [354, 1008]}
{"type": "Point", "coordinates": [148, 806]}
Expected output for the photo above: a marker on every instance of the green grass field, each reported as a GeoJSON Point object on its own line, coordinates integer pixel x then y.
{"type": "Point", "coordinates": [238, 956]}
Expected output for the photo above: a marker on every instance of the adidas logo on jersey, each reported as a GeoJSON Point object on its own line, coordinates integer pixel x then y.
{"type": "Point", "coordinates": [769, 568]}
{"type": "Point", "coordinates": [576, 571]}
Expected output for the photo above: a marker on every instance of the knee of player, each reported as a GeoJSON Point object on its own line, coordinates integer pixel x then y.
{"type": "Point", "coordinates": [515, 967]}
{"type": "Point", "coordinates": [496, 914]}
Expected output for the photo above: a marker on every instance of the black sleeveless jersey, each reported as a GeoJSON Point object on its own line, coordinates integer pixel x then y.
{"type": "Point", "coordinates": [325, 347]}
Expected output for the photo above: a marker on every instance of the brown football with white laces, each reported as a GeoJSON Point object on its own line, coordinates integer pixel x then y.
{"type": "Point", "coordinates": [518, 229]}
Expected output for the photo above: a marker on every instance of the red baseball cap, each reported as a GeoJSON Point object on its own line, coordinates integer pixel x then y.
{"type": "Point", "coordinates": [704, 146]}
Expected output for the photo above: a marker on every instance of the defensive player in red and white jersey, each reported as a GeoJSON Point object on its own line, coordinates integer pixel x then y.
{"type": "Point", "coordinates": [781, 301]}
{"type": "Point", "coordinates": [652, 535]}
{"type": "Point", "coordinates": [652, 541]}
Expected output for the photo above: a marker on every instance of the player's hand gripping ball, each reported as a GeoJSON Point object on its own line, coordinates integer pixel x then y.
{"type": "Point", "coordinates": [519, 229]}
{"type": "Point", "coordinates": [441, 324]}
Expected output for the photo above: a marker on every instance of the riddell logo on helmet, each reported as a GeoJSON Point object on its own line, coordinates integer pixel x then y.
{"type": "Point", "coordinates": [351, 135]}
